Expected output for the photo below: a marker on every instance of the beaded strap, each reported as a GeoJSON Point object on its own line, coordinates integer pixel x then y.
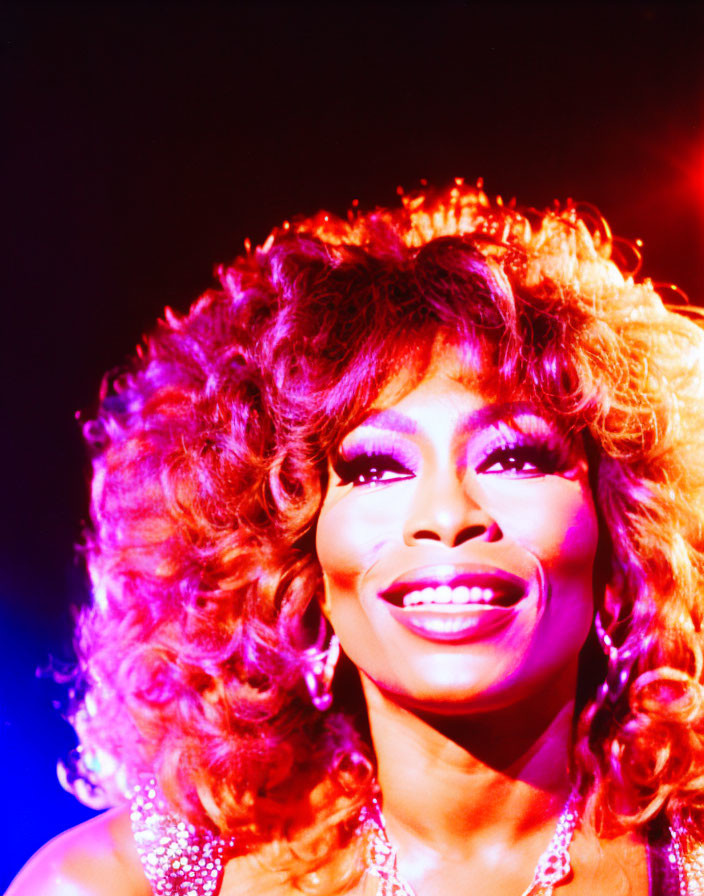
{"type": "Point", "coordinates": [554, 864]}
{"type": "Point", "coordinates": [178, 858]}
{"type": "Point", "coordinates": [379, 854]}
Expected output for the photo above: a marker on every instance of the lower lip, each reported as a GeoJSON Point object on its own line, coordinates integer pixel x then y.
{"type": "Point", "coordinates": [454, 625]}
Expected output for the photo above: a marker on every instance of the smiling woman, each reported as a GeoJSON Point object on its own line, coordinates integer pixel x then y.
{"type": "Point", "coordinates": [455, 522]}
{"type": "Point", "coordinates": [460, 442]}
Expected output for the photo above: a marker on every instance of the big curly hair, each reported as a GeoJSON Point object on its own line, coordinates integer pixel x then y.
{"type": "Point", "coordinates": [210, 454]}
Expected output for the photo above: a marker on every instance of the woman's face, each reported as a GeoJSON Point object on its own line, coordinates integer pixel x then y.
{"type": "Point", "coordinates": [457, 539]}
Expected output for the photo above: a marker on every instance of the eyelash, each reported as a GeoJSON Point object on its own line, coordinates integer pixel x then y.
{"type": "Point", "coordinates": [543, 452]}
{"type": "Point", "coordinates": [353, 470]}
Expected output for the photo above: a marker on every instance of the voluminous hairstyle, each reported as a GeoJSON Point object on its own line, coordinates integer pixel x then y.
{"type": "Point", "coordinates": [210, 455]}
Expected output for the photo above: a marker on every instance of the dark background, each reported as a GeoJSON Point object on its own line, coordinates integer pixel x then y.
{"type": "Point", "coordinates": [143, 143]}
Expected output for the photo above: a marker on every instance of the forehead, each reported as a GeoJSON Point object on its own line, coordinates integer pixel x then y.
{"type": "Point", "coordinates": [373, 383]}
{"type": "Point", "coordinates": [451, 368]}
{"type": "Point", "coordinates": [443, 405]}
{"type": "Point", "coordinates": [460, 385]}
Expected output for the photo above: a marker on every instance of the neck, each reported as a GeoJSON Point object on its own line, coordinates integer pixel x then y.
{"type": "Point", "coordinates": [448, 781]}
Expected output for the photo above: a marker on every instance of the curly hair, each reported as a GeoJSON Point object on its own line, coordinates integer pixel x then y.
{"type": "Point", "coordinates": [210, 454]}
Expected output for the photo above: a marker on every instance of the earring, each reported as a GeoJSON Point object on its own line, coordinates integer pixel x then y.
{"type": "Point", "coordinates": [618, 667]}
{"type": "Point", "coordinates": [605, 640]}
{"type": "Point", "coordinates": [319, 669]}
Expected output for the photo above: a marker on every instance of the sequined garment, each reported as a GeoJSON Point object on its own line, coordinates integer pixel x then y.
{"type": "Point", "coordinates": [688, 857]}
{"type": "Point", "coordinates": [182, 860]}
{"type": "Point", "coordinates": [178, 858]}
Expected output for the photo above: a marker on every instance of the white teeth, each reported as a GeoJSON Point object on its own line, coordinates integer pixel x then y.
{"type": "Point", "coordinates": [444, 594]}
{"type": "Point", "coordinates": [460, 595]}
{"type": "Point", "coordinates": [444, 625]}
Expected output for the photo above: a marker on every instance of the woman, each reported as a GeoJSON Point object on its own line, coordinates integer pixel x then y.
{"type": "Point", "coordinates": [461, 442]}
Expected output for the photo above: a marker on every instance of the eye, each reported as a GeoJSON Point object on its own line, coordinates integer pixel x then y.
{"type": "Point", "coordinates": [368, 469]}
{"type": "Point", "coordinates": [524, 460]}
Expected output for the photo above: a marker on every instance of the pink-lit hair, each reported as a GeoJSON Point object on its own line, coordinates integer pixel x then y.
{"type": "Point", "coordinates": [209, 457]}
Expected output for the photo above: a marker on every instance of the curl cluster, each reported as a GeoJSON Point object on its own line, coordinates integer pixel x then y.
{"type": "Point", "coordinates": [210, 453]}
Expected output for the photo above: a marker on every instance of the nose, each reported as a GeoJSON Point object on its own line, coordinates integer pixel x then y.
{"type": "Point", "coordinates": [447, 509]}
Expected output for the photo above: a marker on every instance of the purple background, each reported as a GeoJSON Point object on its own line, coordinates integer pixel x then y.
{"type": "Point", "coordinates": [143, 143]}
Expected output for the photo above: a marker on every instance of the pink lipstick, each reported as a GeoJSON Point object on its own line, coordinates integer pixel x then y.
{"type": "Point", "coordinates": [455, 603]}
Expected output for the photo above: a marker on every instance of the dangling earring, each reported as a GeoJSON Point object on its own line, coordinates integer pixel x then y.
{"type": "Point", "coordinates": [605, 640]}
{"type": "Point", "coordinates": [618, 668]}
{"type": "Point", "coordinates": [319, 669]}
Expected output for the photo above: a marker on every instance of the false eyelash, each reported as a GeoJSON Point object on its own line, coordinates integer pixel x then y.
{"type": "Point", "coordinates": [351, 469]}
{"type": "Point", "coordinates": [545, 450]}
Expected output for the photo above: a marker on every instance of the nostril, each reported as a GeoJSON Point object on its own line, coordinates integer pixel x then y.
{"type": "Point", "coordinates": [428, 534]}
{"type": "Point", "coordinates": [494, 533]}
{"type": "Point", "coordinates": [487, 533]}
{"type": "Point", "coordinates": [467, 534]}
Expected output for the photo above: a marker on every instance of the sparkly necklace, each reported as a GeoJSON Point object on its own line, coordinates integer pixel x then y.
{"type": "Point", "coordinates": [382, 861]}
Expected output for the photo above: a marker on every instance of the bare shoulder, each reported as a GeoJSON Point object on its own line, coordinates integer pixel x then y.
{"type": "Point", "coordinates": [97, 858]}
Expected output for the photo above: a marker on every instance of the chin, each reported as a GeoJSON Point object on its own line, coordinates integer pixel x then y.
{"type": "Point", "coordinates": [452, 695]}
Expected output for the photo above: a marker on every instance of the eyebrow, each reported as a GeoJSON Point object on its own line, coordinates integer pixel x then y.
{"type": "Point", "coordinates": [482, 417]}
{"type": "Point", "coordinates": [498, 413]}
{"type": "Point", "coordinates": [392, 420]}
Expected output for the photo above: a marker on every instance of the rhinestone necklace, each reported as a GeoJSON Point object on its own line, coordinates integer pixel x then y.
{"type": "Point", "coordinates": [382, 861]}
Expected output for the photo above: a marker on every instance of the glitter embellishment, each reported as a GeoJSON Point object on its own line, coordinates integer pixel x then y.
{"type": "Point", "coordinates": [381, 860]}
{"type": "Point", "coordinates": [379, 855]}
{"type": "Point", "coordinates": [182, 860]}
{"type": "Point", "coordinates": [688, 858]}
{"type": "Point", "coordinates": [178, 858]}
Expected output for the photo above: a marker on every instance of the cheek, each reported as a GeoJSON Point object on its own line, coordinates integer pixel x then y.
{"type": "Point", "coordinates": [353, 531]}
{"type": "Point", "coordinates": [338, 543]}
{"type": "Point", "coordinates": [570, 530]}
{"type": "Point", "coordinates": [555, 519]}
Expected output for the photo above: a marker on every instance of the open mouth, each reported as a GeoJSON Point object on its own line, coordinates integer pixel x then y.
{"type": "Point", "coordinates": [455, 604]}
{"type": "Point", "coordinates": [447, 587]}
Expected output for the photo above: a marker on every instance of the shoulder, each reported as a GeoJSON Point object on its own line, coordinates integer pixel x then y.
{"type": "Point", "coordinates": [97, 858]}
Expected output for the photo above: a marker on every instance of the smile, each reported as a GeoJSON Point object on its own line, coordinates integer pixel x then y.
{"type": "Point", "coordinates": [457, 586]}
{"type": "Point", "coordinates": [444, 595]}
{"type": "Point", "coordinates": [455, 603]}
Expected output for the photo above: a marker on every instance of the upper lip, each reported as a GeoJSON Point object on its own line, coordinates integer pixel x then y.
{"type": "Point", "coordinates": [506, 587]}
